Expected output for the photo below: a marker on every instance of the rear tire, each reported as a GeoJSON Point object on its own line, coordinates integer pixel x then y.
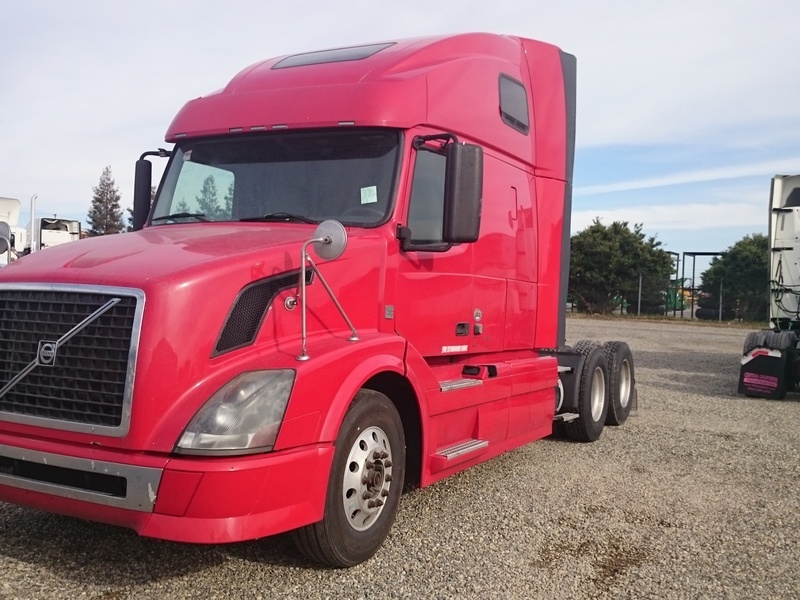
{"type": "Point", "coordinates": [592, 398]}
{"type": "Point", "coordinates": [784, 340]}
{"type": "Point", "coordinates": [365, 485]}
{"type": "Point", "coordinates": [621, 381]}
{"type": "Point", "coordinates": [750, 342]}
{"type": "Point", "coordinates": [583, 346]}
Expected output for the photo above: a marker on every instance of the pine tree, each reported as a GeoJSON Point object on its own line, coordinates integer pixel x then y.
{"type": "Point", "coordinates": [105, 214]}
{"type": "Point", "coordinates": [229, 202]}
{"type": "Point", "coordinates": [207, 201]}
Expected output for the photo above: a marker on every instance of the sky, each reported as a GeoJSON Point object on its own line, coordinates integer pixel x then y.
{"type": "Point", "coordinates": [686, 109]}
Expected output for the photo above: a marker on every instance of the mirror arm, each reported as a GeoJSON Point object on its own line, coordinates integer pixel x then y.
{"type": "Point", "coordinates": [306, 259]}
{"type": "Point", "coordinates": [420, 140]}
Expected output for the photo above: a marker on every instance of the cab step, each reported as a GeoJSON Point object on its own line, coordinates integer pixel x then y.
{"type": "Point", "coordinates": [449, 456]}
{"type": "Point", "coordinates": [565, 417]}
{"type": "Point", "coordinates": [461, 448]}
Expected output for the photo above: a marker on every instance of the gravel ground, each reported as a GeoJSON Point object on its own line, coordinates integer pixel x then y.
{"type": "Point", "coordinates": [694, 497]}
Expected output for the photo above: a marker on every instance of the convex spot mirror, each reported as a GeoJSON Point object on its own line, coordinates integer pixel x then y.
{"type": "Point", "coordinates": [331, 239]}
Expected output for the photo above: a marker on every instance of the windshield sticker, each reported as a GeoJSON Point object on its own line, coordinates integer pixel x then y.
{"type": "Point", "coordinates": [187, 156]}
{"type": "Point", "coordinates": [369, 195]}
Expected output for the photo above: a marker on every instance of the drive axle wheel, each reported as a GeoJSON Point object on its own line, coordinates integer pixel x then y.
{"type": "Point", "coordinates": [592, 398]}
{"type": "Point", "coordinates": [621, 381]}
{"type": "Point", "coordinates": [365, 485]}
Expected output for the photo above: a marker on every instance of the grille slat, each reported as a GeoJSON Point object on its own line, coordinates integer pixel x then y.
{"type": "Point", "coordinates": [87, 383]}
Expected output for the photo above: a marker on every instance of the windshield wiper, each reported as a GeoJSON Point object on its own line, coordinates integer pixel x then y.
{"type": "Point", "coordinates": [182, 215]}
{"type": "Point", "coordinates": [280, 216]}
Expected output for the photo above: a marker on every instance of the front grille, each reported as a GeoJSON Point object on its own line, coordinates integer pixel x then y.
{"type": "Point", "coordinates": [61, 360]}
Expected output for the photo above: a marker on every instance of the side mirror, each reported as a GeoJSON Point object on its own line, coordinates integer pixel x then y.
{"type": "Point", "coordinates": [5, 237]}
{"type": "Point", "coordinates": [463, 193]}
{"type": "Point", "coordinates": [141, 193]}
{"type": "Point", "coordinates": [331, 239]}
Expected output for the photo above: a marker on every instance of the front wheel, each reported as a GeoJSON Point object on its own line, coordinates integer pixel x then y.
{"type": "Point", "coordinates": [364, 488]}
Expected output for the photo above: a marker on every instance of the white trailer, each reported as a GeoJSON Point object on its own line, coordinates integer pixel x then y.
{"type": "Point", "coordinates": [55, 231]}
{"type": "Point", "coordinates": [770, 364]}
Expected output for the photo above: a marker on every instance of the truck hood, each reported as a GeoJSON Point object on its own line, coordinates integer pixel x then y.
{"type": "Point", "coordinates": [192, 276]}
{"type": "Point", "coordinates": [139, 259]}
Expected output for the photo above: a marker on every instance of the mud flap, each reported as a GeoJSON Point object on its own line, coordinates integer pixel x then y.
{"type": "Point", "coordinates": [570, 364]}
{"type": "Point", "coordinates": [763, 374]}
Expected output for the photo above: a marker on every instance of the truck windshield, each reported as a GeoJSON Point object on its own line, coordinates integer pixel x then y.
{"type": "Point", "coordinates": [300, 177]}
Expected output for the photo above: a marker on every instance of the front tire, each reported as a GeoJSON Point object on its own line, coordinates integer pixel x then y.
{"type": "Point", "coordinates": [365, 485]}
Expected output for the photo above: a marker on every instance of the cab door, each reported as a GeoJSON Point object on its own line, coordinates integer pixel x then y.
{"type": "Point", "coordinates": [467, 398]}
{"type": "Point", "coordinates": [433, 306]}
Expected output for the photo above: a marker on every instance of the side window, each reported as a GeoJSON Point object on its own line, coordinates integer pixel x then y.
{"type": "Point", "coordinates": [514, 104]}
{"type": "Point", "coordinates": [204, 189]}
{"type": "Point", "coordinates": [426, 209]}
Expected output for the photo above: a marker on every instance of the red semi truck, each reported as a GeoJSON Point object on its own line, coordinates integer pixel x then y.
{"type": "Point", "coordinates": [352, 280]}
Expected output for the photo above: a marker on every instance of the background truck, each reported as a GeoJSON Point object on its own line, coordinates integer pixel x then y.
{"type": "Point", "coordinates": [39, 233]}
{"type": "Point", "coordinates": [770, 364]}
{"type": "Point", "coordinates": [17, 236]}
{"type": "Point", "coordinates": [352, 279]}
{"type": "Point", "coordinates": [55, 231]}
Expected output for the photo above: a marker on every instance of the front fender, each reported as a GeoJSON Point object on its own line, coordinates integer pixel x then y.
{"type": "Point", "coordinates": [328, 381]}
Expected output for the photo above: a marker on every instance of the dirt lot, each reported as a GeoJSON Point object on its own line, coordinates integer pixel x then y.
{"type": "Point", "coordinates": [695, 496]}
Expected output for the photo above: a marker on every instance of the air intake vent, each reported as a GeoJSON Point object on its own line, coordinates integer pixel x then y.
{"type": "Point", "coordinates": [249, 309]}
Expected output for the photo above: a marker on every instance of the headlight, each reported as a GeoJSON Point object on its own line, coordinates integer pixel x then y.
{"type": "Point", "coordinates": [244, 414]}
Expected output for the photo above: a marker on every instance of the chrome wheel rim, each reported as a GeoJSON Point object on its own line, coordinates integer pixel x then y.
{"type": "Point", "coordinates": [367, 478]}
{"type": "Point", "coordinates": [625, 384]}
{"type": "Point", "coordinates": [598, 394]}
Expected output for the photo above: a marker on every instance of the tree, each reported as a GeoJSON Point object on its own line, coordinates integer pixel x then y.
{"type": "Point", "coordinates": [105, 214]}
{"type": "Point", "coordinates": [742, 271]}
{"type": "Point", "coordinates": [207, 201]}
{"type": "Point", "coordinates": [606, 263]}
{"type": "Point", "coordinates": [229, 201]}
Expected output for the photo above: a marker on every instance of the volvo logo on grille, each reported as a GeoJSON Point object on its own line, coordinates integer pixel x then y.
{"type": "Point", "coordinates": [47, 352]}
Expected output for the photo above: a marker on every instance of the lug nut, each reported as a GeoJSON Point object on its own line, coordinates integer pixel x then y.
{"type": "Point", "coordinates": [387, 463]}
{"type": "Point", "coordinates": [366, 495]}
{"type": "Point", "coordinates": [384, 493]}
{"type": "Point", "coordinates": [388, 478]}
